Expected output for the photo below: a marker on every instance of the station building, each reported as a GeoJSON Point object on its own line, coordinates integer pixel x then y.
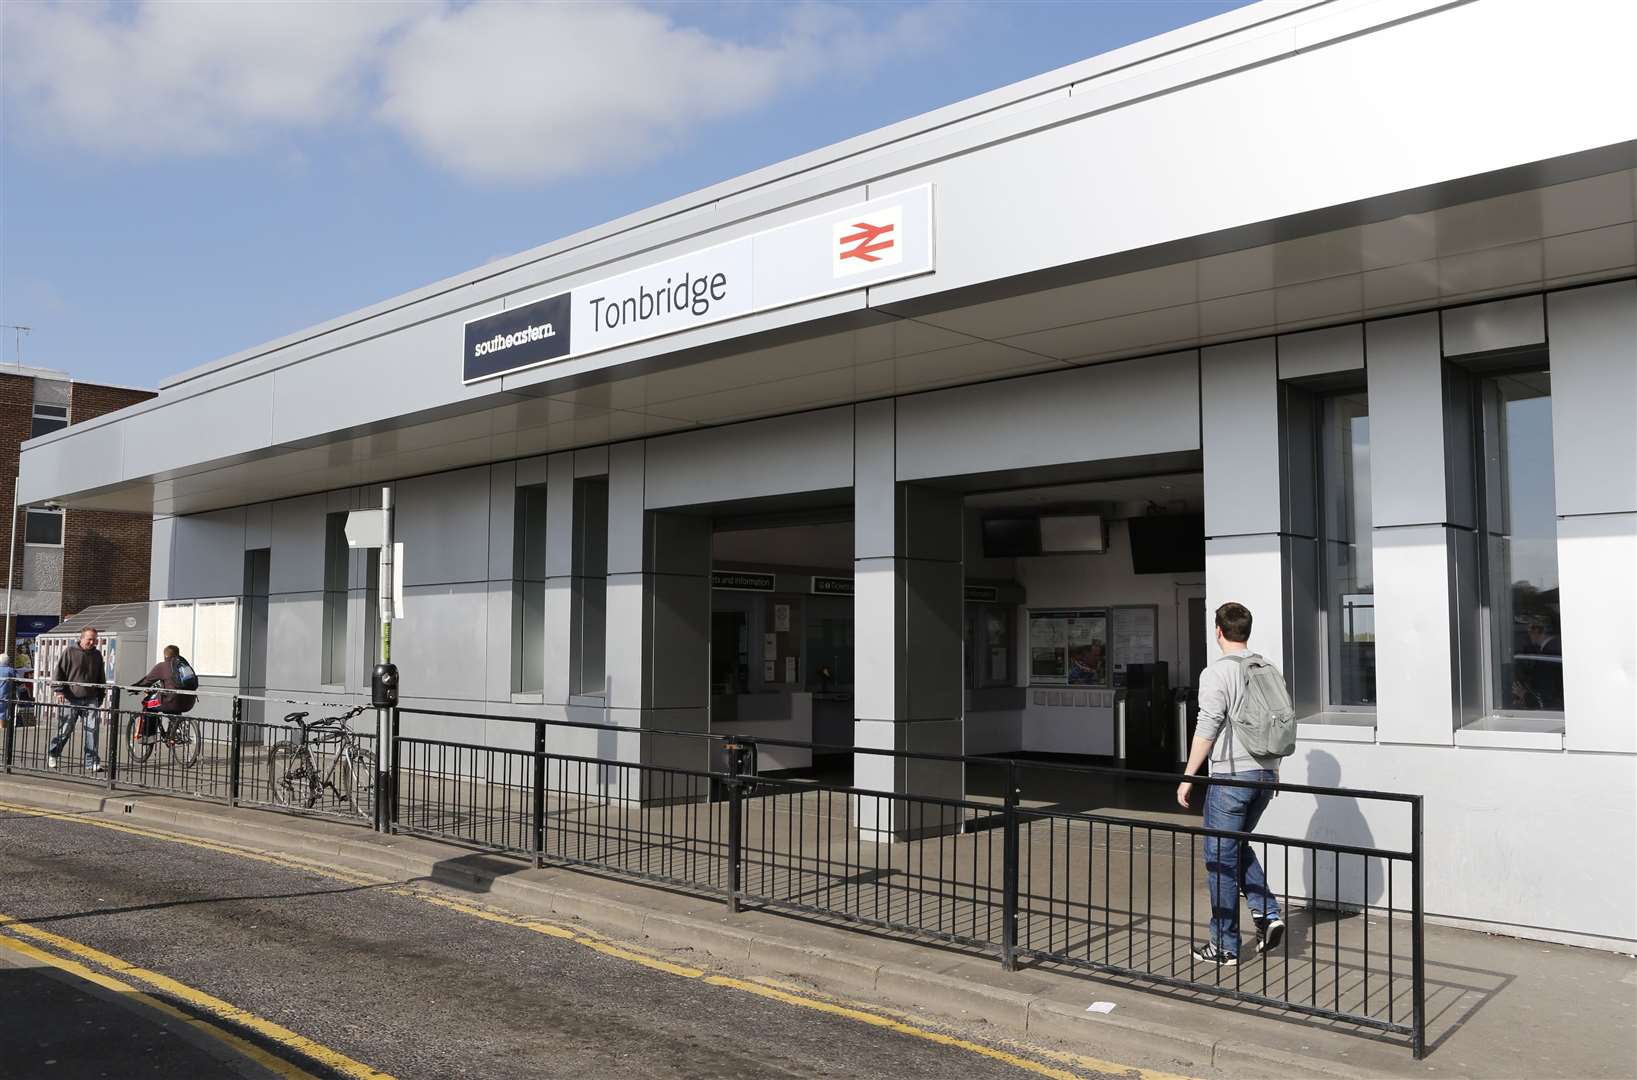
{"type": "Point", "coordinates": [951, 436]}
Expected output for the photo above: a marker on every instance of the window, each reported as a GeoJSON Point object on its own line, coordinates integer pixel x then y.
{"type": "Point", "coordinates": [529, 590]}
{"type": "Point", "coordinates": [1068, 648]}
{"type": "Point", "coordinates": [337, 557]}
{"type": "Point", "coordinates": [990, 630]}
{"type": "Point", "coordinates": [44, 526]}
{"type": "Point", "coordinates": [1345, 562]}
{"type": "Point", "coordinates": [587, 670]}
{"type": "Point", "coordinates": [206, 632]}
{"type": "Point", "coordinates": [1519, 544]}
{"type": "Point", "coordinates": [48, 418]}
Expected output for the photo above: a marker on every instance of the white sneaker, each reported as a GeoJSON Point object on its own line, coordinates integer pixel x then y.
{"type": "Point", "coordinates": [50, 762]}
{"type": "Point", "coordinates": [95, 768]}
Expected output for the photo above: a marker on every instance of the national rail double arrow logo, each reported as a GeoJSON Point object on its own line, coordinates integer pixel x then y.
{"type": "Point", "coordinates": [863, 244]}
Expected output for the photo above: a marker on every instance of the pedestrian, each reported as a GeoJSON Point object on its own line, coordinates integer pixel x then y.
{"type": "Point", "coordinates": [8, 690]}
{"type": "Point", "coordinates": [78, 681]}
{"type": "Point", "coordinates": [1245, 727]}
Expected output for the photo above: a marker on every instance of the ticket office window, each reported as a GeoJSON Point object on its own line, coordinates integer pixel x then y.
{"type": "Point", "coordinates": [1068, 648]}
{"type": "Point", "coordinates": [991, 650]}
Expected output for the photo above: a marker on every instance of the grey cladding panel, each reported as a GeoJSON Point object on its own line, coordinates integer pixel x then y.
{"type": "Point", "coordinates": [295, 640]}
{"type": "Point", "coordinates": [1406, 395]}
{"type": "Point", "coordinates": [297, 530]}
{"type": "Point", "coordinates": [209, 555]}
{"type": "Point", "coordinates": [440, 638]}
{"type": "Point", "coordinates": [1594, 398]}
{"type": "Point", "coordinates": [805, 452]}
{"type": "Point", "coordinates": [1239, 389]}
{"type": "Point", "coordinates": [874, 465]}
{"type": "Point", "coordinates": [227, 421]}
{"type": "Point", "coordinates": [443, 522]}
{"type": "Point", "coordinates": [1146, 406]}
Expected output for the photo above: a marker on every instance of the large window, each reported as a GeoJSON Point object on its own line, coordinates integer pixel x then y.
{"type": "Point", "coordinates": [337, 558]}
{"type": "Point", "coordinates": [529, 591]}
{"type": "Point", "coordinates": [587, 669]}
{"type": "Point", "coordinates": [44, 526]}
{"type": "Point", "coordinates": [991, 631]}
{"type": "Point", "coordinates": [1345, 563]}
{"type": "Point", "coordinates": [206, 632]}
{"type": "Point", "coordinates": [47, 418]}
{"type": "Point", "coordinates": [1519, 534]}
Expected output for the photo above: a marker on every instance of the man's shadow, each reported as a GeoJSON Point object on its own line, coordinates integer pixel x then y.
{"type": "Point", "coordinates": [1339, 885]}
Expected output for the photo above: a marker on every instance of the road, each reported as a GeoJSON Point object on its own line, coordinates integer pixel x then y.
{"type": "Point", "coordinates": [360, 976]}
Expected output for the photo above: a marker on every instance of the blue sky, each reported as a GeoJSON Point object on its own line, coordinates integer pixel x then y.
{"type": "Point", "coordinates": [178, 182]}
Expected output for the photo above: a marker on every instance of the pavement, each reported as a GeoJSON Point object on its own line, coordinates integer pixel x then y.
{"type": "Point", "coordinates": [1497, 1007]}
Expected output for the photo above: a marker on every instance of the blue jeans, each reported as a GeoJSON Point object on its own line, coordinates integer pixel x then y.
{"type": "Point", "coordinates": [66, 717]}
{"type": "Point", "coordinates": [1230, 865]}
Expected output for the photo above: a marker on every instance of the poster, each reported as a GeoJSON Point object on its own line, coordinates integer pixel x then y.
{"type": "Point", "coordinates": [781, 618]}
{"type": "Point", "coordinates": [1087, 650]}
{"type": "Point", "coordinates": [767, 671]}
{"type": "Point", "coordinates": [1047, 636]}
{"type": "Point", "coordinates": [1134, 633]}
{"type": "Point", "coordinates": [1069, 647]}
{"type": "Point", "coordinates": [790, 669]}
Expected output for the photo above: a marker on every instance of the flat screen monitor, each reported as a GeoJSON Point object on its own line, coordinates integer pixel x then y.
{"type": "Point", "coordinates": [1167, 544]}
{"type": "Point", "coordinates": [1010, 537]}
{"type": "Point", "coordinates": [1071, 533]}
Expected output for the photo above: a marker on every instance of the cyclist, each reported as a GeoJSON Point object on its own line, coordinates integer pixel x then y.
{"type": "Point", "coordinates": [171, 701]}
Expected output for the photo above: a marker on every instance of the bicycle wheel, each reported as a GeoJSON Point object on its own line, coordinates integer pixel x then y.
{"type": "Point", "coordinates": [184, 741]}
{"type": "Point", "coordinates": [142, 748]}
{"type": "Point", "coordinates": [355, 781]}
{"type": "Point", "coordinates": [283, 770]}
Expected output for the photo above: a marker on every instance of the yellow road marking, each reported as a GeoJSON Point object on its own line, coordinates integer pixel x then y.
{"type": "Point", "coordinates": [318, 1052]}
{"type": "Point", "coordinates": [241, 1046]}
{"type": "Point", "coordinates": [589, 939]}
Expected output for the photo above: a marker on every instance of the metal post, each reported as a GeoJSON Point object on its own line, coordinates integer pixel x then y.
{"type": "Point", "coordinates": [393, 774]}
{"type": "Point", "coordinates": [539, 793]}
{"type": "Point", "coordinates": [235, 748]}
{"type": "Point", "coordinates": [113, 736]}
{"type": "Point", "coordinates": [385, 748]}
{"type": "Point", "coordinates": [736, 822]}
{"type": "Point", "coordinates": [1009, 873]}
{"type": "Point", "coordinates": [11, 566]}
{"type": "Point", "coordinates": [1418, 919]}
{"type": "Point", "coordinates": [11, 724]}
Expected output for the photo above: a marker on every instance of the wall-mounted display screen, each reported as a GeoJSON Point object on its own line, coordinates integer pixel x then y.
{"type": "Point", "coordinates": [1167, 544]}
{"type": "Point", "coordinates": [1064, 533]}
{"type": "Point", "coordinates": [1011, 537]}
{"type": "Point", "coordinates": [1068, 648]}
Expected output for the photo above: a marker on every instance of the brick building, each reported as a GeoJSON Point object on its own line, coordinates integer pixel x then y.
{"type": "Point", "coordinates": [61, 561]}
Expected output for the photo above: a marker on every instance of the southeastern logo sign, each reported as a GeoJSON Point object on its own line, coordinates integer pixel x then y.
{"type": "Point", "coordinates": [881, 240]}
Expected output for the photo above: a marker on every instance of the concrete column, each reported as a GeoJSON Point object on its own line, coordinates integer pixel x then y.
{"type": "Point", "coordinates": [907, 607]}
{"type": "Point", "coordinates": [1424, 546]}
{"type": "Point", "coordinates": [1594, 452]}
{"type": "Point", "coordinates": [658, 629]}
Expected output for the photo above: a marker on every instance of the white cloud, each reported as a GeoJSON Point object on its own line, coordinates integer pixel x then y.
{"type": "Point", "coordinates": [489, 90]}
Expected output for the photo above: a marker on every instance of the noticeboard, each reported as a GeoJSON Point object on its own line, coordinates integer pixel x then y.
{"type": "Point", "coordinates": [1069, 647]}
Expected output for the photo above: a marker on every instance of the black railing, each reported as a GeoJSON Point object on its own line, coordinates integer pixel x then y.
{"type": "Point", "coordinates": [1012, 874]}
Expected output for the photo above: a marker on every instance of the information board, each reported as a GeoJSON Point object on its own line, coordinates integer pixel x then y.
{"type": "Point", "coordinates": [1135, 631]}
{"type": "Point", "coordinates": [1069, 648]}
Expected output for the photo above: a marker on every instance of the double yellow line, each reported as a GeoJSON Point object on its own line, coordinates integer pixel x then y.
{"type": "Point", "coordinates": [10, 928]}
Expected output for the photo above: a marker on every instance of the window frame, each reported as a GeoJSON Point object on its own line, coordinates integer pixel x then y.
{"type": "Point", "coordinates": [191, 651]}
{"type": "Point", "coordinates": [62, 527]}
{"type": "Point", "coordinates": [335, 599]}
{"type": "Point", "coordinates": [58, 422]}
{"type": "Point", "coordinates": [528, 577]}
{"type": "Point", "coordinates": [1324, 432]}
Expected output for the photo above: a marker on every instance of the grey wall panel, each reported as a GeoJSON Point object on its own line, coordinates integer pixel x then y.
{"type": "Point", "coordinates": [90, 459]}
{"type": "Point", "coordinates": [443, 522]}
{"type": "Point", "coordinates": [497, 642]}
{"type": "Point", "coordinates": [230, 420]}
{"type": "Point", "coordinates": [878, 647]}
{"type": "Point", "coordinates": [1406, 397]}
{"type": "Point", "coordinates": [1249, 570]}
{"type": "Point", "coordinates": [929, 523]}
{"type": "Point", "coordinates": [626, 522]}
{"type": "Point", "coordinates": [296, 563]}
{"type": "Point", "coordinates": [1239, 395]}
{"type": "Point", "coordinates": [1146, 406]}
{"type": "Point", "coordinates": [1415, 636]}
{"type": "Point", "coordinates": [1499, 324]}
{"type": "Point", "coordinates": [1597, 562]}
{"type": "Point", "coordinates": [295, 640]}
{"type": "Point", "coordinates": [592, 461]}
{"type": "Point", "coordinates": [209, 555]}
{"type": "Point", "coordinates": [627, 610]}
{"type": "Point", "coordinates": [436, 643]}
{"type": "Point", "coordinates": [503, 484]}
{"type": "Point", "coordinates": [1594, 398]}
{"type": "Point", "coordinates": [932, 600]}
{"type": "Point", "coordinates": [679, 544]}
{"type": "Point", "coordinates": [534, 470]}
{"type": "Point", "coordinates": [159, 560]}
{"type": "Point", "coordinates": [678, 643]}
{"type": "Point", "coordinates": [559, 647]}
{"type": "Point", "coordinates": [874, 479]}
{"type": "Point", "coordinates": [258, 526]}
{"type": "Point", "coordinates": [1329, 351]}
{"type": "Point", "coordinates": [805, 452]}
{"type": "Point", "coordinates": [560, 515]}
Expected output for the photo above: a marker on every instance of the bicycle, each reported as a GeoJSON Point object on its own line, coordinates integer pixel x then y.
{"type": "Point", "coordinates": [295, 776]}
{"type": "Point", "coordinates": [179, 733]}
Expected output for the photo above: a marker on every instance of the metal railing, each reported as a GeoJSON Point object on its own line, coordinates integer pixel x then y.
{"type": "Point", "coordinates": [1023, 878]}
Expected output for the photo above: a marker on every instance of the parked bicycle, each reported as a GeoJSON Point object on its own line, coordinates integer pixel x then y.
{"type": "Point", "coordinates": [180, 734]}
{"type": "Point", "coordinates": [297, 777]}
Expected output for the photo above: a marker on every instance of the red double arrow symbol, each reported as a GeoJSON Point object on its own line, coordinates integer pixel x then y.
{"type": "Point", "coordinates": [866, 240]}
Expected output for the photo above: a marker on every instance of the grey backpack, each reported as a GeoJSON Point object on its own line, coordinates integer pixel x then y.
{"type": "Point", "coordinates": [1265, 721]}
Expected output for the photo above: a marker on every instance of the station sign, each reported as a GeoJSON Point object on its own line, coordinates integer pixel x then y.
{"type": "Point", "coordinates": [743, 580]}
{"type": "Point", "coordinates": [983, 594]}
{"type": "Point", "coordinates": [881, 240]}
{"type": "Point", "coordinates": [832, 586]}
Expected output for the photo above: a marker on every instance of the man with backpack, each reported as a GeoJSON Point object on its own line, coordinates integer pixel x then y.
{"type": "Point", "coordinates": [1246, 726]}
{"type": "Point", "coordinates": [78, 681]}
{"type": "Point", "coordinates": [175, 677]}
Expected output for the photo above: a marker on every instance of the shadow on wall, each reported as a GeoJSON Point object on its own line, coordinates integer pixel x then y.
{"type": "Point", "coordinates": [1339, 881]}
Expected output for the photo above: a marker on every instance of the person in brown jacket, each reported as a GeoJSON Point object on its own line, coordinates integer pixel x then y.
{"type": "Point", "coordinates": [78, 682]}
{"type": "Point", "coordinates": [163, 675]}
